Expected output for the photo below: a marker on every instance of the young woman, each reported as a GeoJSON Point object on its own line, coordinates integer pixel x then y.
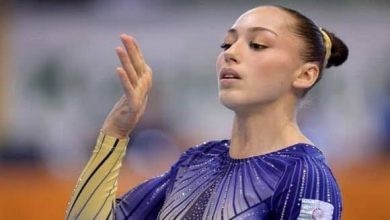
{"type": "Point", "coordinates": [272, 56]}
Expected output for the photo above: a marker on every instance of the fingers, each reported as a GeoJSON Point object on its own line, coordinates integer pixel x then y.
{"type": "Point", "coordinates": [149, 77]}
{"type": "Point", "coordinates": [144, 83]}
{"type": "Point", "coordinates": [127, 66]}
{"type": "Point", "coordinates": [134, 53]}
{"type": "Point", "coordinates": [135, 74]}
{"type": "Point", "coordinates": [125, 81]}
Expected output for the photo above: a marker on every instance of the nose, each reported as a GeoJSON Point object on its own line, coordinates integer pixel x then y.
{"type": "Point", "coordinates": [231, 54]}
{"type": "Point", "coordinates": [229, 58]}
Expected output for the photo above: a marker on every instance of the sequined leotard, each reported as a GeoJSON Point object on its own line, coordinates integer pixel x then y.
{"type": "Point", "coordinates": [206, 183]}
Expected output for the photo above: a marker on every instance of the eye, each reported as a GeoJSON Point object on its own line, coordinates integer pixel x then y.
{"type": "Point", "coordinates": [225, 46]}
{"type": "Point", "coordinates": [256, 46]}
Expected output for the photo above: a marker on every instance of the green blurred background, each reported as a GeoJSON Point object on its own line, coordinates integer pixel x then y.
{"type": "Point", "coordinates": [57, 84]}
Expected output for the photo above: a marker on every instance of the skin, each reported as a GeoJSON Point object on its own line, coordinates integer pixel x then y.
{"type": "Point", "coordinates": [136, 80]}
{"type": "Point", "coordinates": [264, 100]}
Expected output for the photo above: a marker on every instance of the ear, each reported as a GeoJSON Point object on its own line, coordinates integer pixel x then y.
{"type": "Point", "coordinates": [306, 75]}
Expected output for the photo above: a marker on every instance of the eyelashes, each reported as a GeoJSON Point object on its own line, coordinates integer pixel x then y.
{"type": "Point", "coordinates": [257, 46]}
{"type": "Point", "coordinates": [254, 46]}
{"type": "Point", "coordinates": [225, 46]}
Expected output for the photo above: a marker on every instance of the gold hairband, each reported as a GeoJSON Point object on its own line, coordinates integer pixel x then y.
{"type": "Point", "coordinates": [328, 45]}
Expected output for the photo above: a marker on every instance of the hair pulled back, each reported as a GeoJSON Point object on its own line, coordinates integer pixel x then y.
{"type": "Point", "coordinates": [315, 50]}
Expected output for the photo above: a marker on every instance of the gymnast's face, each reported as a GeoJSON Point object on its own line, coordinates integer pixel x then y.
{"type": "Point", "coordinates": [261, 53]}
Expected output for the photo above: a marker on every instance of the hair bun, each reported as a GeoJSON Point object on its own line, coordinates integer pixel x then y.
{"type": "Point", "coordinates": [339, 51]}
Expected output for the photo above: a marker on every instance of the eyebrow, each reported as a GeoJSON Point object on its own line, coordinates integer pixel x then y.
{"type": "Point", "coordinates": [254, 29]}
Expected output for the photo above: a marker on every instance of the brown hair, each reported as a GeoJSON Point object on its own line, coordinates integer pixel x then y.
{"type": "Point", "coordinates": [315, 50]}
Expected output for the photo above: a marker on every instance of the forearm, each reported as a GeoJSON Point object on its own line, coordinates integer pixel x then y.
{"type": "Point", "coordinates": [94, 195]}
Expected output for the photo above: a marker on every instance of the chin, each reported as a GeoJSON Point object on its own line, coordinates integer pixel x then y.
{"type": "Point", "coordinates": [240, 104]}
{"type": "Point", "coordinates": [231, 102]}
{"type": "Point", "coordinates": [238, 108]}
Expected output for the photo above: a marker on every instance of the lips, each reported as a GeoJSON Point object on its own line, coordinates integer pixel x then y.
{"type": "Point", "coordinates": [228, 73]}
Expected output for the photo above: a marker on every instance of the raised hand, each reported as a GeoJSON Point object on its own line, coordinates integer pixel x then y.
{"type": "Point", "coordinates": [136, 79]}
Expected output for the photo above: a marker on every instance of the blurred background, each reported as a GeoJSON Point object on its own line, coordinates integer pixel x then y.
{"type": "Point", "coordinates": [57, 84]}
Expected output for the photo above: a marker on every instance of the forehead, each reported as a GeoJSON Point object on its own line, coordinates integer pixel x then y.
{"type": "Point", "coordinates": [266, 16]}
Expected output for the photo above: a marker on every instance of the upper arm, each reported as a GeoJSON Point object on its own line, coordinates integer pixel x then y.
{"type": "Point", "coordinates": [307, 190]}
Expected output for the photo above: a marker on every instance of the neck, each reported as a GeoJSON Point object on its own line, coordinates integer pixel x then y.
{"type": "Point", "coordinates": [264, 130]}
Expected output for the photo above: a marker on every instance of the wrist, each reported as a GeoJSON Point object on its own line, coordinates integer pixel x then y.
{"type": "Point", "coordinates": [113, 132]}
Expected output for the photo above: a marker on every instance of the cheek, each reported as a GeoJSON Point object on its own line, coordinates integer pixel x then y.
{"type": "Point", "coordinates": [271, 75]}
{"type": "Point", "coordinates": [274, 62]}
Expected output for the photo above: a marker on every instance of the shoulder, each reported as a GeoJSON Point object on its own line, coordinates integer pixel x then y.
{"type": "Point", "coordinates": [307, 159]}
{"type": "Point", "coordinates": [305, 163]}
{"type": "Point", "coordinates": [299, 156]}
{"type": "Point", "coordinates": [307, 181]}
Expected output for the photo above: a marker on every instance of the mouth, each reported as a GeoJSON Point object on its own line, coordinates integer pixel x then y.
{"type": "Point", "coordinates": [229, 74]}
